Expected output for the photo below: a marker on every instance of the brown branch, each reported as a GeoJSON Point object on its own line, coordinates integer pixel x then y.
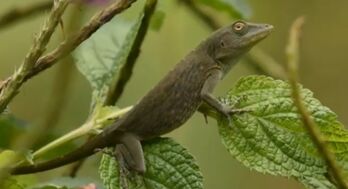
{"type": "Point", "coordinates": [126, 72]}
{"type": "Point", "coordinates": [9, 90]}
{"type": "Point", "coordinates": [39, 46]}
{"type": "Point", "coordinates": [21, 13]}
{"type": "Point", "coordinates": [292, 52]}
{"type": "Point", "coordinates": [12, 84]}
{"type": "Point", "coordinates": [259, 60]}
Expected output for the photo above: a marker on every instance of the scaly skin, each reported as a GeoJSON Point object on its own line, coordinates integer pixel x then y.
{"type": "Point", "coordinates": [174, 99]}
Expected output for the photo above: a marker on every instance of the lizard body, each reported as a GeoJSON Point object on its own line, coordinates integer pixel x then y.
{"type": "Point", "coordinates": [173, 100]}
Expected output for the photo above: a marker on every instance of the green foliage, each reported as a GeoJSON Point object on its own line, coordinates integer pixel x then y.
{"type": "Point", "coordinates": [168, 165]}
{"type": "Point", "coordinates": [103, 54]}
{"type": "Point", "coordinates": [271, 137]}
{"type": "Point", "coordinates": [10, 127]}
{"type": "Point", "coordinates": [236, 8]}
{"type": "Point", "coordinates": [7, 157]}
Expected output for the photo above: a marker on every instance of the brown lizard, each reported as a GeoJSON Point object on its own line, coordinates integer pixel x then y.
{"type": "Point", "coordinates": [173, 100]}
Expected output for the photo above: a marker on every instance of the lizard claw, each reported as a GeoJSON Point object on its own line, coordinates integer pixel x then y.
{"type": "Point", "coordinates": [229, 112]}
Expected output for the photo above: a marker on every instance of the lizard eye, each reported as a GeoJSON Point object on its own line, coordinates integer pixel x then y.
{"type": "Point", "coordinates": [240, 27]}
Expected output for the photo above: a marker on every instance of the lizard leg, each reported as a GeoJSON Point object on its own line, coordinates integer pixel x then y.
{"type": "Point", "coordinates": [213, 77]}
{"type": "Point", "coordinates": [133, 152]}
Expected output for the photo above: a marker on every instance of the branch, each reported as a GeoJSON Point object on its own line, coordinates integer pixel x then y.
{"type": "Point", "coordinates": [292, 52]}
{"type": "Point", "coordinates": [257, 58]}
{"type": "Point", "coordinates": [60, 87]}
{"type": "Point", "coordinates": [116, 91]}
{"type": "Point", "coordinates": [21, 13]}
{"type": "Point", "coordinates": [8, 91]}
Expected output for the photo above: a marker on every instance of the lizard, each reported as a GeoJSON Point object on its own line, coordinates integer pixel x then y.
{"type": "Point", "coordinates": [173, 100]}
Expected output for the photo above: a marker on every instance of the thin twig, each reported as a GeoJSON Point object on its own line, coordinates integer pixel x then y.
{"type": "Point", "coordinates": [11, 86]}
{"type": "Point", "coordinates": [257, 58]}
{"type": "Point", "coordinates": [38, 48]}
{"type": "Point", "coordinates": [72, 42]}
{"type": "Point", "coordinates": [263, 63]}
{"type": "Point", "coordinates": [292, 52]}
{"type": "Point", "coordinates": [8, 91]}
{"type": "Point", "coordinates": [21, 13]}
{"type": "Point", "coordinates": [62, 81]}
{"type": "Point", "coordinates": [126, 72]}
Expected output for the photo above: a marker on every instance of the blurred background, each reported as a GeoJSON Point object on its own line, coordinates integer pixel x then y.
{"type": "Point", "coordinates": [323, 69]}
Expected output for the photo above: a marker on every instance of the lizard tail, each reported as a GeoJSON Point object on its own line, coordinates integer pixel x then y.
{"type": "Point", "coordinates": [89, 148]}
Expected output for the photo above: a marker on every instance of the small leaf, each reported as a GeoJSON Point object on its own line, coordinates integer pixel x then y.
{"type": "Point", "coordinates": [236, 8]}
{"type": "Point", "coordinates": [168, 165]}
{"type": "Point", "coordinates": [271, 137]}
{"type": "Point", "coordinates": [101, 56]}
{"type": "Point", "coordinates": [7, 157]}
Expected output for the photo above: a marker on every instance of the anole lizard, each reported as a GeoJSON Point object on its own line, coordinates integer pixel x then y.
{"type": "Point", "coordinates": [173, 100]}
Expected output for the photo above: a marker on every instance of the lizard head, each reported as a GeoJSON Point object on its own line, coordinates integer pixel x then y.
{"type": "Point", "coordinates": [232, 41]}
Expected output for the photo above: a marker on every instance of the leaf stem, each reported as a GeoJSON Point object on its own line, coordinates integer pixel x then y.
{"type": "Point", "coordinates": [81, 131]}
{"type": "Point", "coordinates": [292, 52]}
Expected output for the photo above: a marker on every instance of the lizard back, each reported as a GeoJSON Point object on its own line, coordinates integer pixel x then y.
{"type": "Point", "coordinates": [171, 102]}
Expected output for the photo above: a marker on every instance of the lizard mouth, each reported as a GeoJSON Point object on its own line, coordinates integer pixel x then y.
{"type": "Point", "coordinates": [259, 32]}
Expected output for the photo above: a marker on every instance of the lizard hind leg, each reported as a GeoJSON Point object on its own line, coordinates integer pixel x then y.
{"type": "Point", "coordinates": [132, 152]}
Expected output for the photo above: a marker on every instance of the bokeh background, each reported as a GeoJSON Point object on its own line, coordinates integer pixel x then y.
{"type": "Point", "coordinates": [323, 69]}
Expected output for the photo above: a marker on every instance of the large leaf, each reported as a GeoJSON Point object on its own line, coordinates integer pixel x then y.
{"type": "Point", "coordinates": [271, 137]}
{"type": "Point", "coordinates": [236, 8]}
{"type": "Point", "coordinates": [102, 55]}
{"type": "Point", "coordinates": [168, 165]}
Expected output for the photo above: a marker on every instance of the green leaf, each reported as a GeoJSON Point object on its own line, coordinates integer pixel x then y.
{"type": "Point", "coordinates": [102, 55]}
{"type": "Point", "coordinates": [8, 157]}
{"type": "Point", "coordinates": [168, 165]}
{"type": "Point", "coordinates": [11, 183]}
{"type": "Point", "coordinates": [109, 171]}
{"type": "Point", "coordinates": [236, 8]}
{"type": "Point", "coordinates": [271, 137]}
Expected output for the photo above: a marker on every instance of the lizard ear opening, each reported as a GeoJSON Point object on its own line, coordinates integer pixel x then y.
{"type": "Point", "coordinates": [222, 44]}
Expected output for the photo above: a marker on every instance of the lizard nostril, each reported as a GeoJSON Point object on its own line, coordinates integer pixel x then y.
{"type": "Point", "coordinates": [268, 26]}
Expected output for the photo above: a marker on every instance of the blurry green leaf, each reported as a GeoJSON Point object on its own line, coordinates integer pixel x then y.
{"type": "Point", "coordinates": [157, 20]}
{"type": "Point", "coordinates": [7, 157]}
{"type": "Point", "coordinates": [11, 183]}
{"type": "Point", "coordinates": [168, 165]}
{"type": "Point", "coordinates": [102, 55]}
{"type": "Point", "coordinates": [271, 138]}
{"type": "Point", "coordinates": [10, 128]}
{"type": "Point", "coordinates": [236, 8]}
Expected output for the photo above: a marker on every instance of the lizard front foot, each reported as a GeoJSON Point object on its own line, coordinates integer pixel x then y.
{"type": "Point", "coordinates": [230, 111]}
